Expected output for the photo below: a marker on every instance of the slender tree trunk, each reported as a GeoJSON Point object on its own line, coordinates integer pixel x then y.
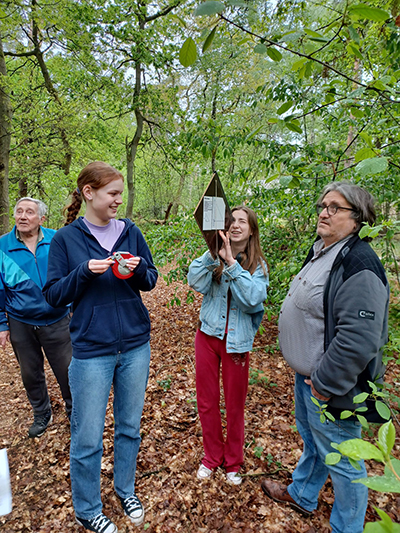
{"type": "Point", "coordinates": [132, 146]}
{"type": "Point", "coordinates": [351, 143]}
{"type": "Point", "coordinates": [178, 197]}
{"type": "Point", "coordinates": [5, 140]}
{"type": "Point", "coordinates": [51, 90]}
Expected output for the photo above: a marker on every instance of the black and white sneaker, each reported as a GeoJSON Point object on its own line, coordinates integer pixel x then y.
{"type": "Point", "coordinates": [99, 524]}
{"type": "Point", "coordinates": [40, 423]}
{"type": "Point", "coordinates": [133, 509]}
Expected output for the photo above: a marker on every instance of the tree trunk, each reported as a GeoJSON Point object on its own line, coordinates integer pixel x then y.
{"type": "Point", "coordinates": [351, 141]}
{"type": "Point", "coordinates": [5, 140]}
{"type": "Point", "coordinates": [51, 90]}
{"type": "Point", "coordinates": [178, 196]}
{"type": "Point", "coordinates": [131, 151]}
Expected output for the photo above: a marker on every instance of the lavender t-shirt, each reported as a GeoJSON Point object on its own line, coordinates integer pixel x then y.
{"type": "Point", "coordinates": [106, 235]}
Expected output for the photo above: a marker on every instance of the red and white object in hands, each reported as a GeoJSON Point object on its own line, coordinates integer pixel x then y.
{"type": "Point", "coordinates": [119, 266]}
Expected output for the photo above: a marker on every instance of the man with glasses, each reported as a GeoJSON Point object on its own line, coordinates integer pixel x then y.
{"type": "Point", "coordinates": [332, 327]}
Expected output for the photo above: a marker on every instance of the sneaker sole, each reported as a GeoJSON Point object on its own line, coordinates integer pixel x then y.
{"type": "Point", "coordinates": [136, 521]}
{"type": "Point", "coordinates": [80, 523]}
{"type": "Point", "coordinates": [233, 482]}
{"type": "Point", "coordinates": [43, 432]}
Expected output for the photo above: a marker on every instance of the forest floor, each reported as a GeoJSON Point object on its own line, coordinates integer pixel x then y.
{"type": "Point", "coordinates": [171, 449]}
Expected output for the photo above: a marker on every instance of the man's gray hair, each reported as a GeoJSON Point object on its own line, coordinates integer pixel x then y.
{"type": "Point", "coordinates": [360, 200]}
{"type": "Point", "coordinates": [42, 207]}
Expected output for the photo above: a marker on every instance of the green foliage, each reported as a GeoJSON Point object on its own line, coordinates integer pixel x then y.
{"type": "Point", "coordinates": [209, 7]}
{"type": "Point", "coordinates": [188, 53]}
{"type": "Point", "coordinates": [257, 377]}
{"type": "Point", "coordinates": [359, 449]}
{"type": "Point", "coordinates": [384, 526]}
{"type": "Point", "coordinates": [165, 384]}
{"type": "Point", "coordinates": [258, 451]}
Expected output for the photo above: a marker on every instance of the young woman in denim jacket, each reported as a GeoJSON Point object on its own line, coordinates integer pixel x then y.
{"type": "Point", "coordinates": [110, 333]}
{"type": "Point", "coordinates": [234, 288]}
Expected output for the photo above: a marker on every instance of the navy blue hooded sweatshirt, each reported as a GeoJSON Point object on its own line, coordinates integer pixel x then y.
{"type": "Point", "coordinates": [109, 316]}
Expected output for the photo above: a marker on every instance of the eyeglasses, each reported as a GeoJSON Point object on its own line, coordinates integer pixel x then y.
{"type": "Point", "coordinates": [332, 209]}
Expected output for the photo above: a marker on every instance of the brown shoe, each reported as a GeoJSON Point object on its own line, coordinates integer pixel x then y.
{"type": "Point", "coordinates": [278, 492]}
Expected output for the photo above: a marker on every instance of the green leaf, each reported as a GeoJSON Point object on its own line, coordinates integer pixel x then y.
{"type": "Point", "coordinates": [313, 33]}
{"type": "Point", "coordinates": [274, 54]}
{"type": "Point", "coordinates": [284, 107]}
{"type": "Point", "coordinates": [260, 49]}
{"type": "Point", "coordinates": [372, 165]}
{"type": "Point", "coordinates": [387, 434]}
{"type": "Point", "coordinates": [332, 458]}
{"type": "Point", "coordinates": [209, 40]}
{"type": "Point", "coordinates": [383, 410]}
{"type": "Point", "coordinates": [238, 3]}
{"type": "Point", "coordinates": [381, 527]}
{"type": "Point", "coordinates": [298, 64]}
{"type": "Point", "coordinates": [188, 53]}
{"type": "Point", "coordinates": [354, 34]}
{"type": "Point", "coordinates": [253, 133]}
{"type": "Point", "coordinates": [396, 466]}
{"type": "Point", "coordinates": [365, 11]}
{"type": "Point", "coordinates": [361, 409]}
{"type": "Point", "coordinates": [357, 112]}
{"type": "Point", "coordinates": [292, 182]}
{"type": "Point", "coordinates": [354, 464]}
{"type": "Point", "coordinates": [352, 49]}
{"type": "Point", "coordinates": [345, 414]}
{"type": "Point", "coordinates": [364, 153]}
{"type": "Point", "coordinates": [380, 483]}
{"type": "Point", "coordinates": [210, 7]}
{"type": "Point", "coordinates": [319, 39]}
{"type": "Point", "coordinates": [293, 126]}
{"type": "Point", "coordinates": [363, 421]}
{"type": "Point", "coordinates": [358, 449]}
{"type": "Point", "coordinates": [360, 398]}
{"type": "Point", "coordinates": [367, 138]}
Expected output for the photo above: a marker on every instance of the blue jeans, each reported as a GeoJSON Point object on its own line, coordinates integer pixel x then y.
{"type": "Point", "coordinates": [90, 382]}
{"type": "Point", "coordinates": [348, 511]}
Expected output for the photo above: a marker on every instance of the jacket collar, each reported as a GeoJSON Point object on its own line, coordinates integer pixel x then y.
{"type": "Point", "coordinates": [16, 243]}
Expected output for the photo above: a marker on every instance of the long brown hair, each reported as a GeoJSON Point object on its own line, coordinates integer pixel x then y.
{"type": "Point", "coordinates": [252, 256]}
{"type": "Point", "coordinates": [96, 174]}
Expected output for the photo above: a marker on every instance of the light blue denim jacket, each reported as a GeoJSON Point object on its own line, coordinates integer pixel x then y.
{"type": "Point", "coordinates": [246, 306]}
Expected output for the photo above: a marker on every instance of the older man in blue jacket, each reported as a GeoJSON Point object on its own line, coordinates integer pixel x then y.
{"type": "Point", "coordinates": [32, 325]}
{"type": "Point", "coordinates": [332, 328]}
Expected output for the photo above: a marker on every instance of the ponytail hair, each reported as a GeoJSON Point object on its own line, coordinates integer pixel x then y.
{"type": "Point", "coordinates": [96, 174]}
{"type": "Point", "coordinates": [71, 211]}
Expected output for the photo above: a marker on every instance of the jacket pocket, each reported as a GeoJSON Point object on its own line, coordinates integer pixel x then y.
{"type": "Point", "coordinates": [134, 318]}
{"type": "Point", "coordinates": [103, 325]}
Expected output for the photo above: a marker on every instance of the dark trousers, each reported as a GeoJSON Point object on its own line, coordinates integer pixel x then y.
{"type": "Point", "coordinates": [29, 343]}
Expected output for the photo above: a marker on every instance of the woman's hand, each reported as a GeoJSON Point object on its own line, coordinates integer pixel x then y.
{"type": "Point", "coordinates": [99, 266]}
{"type": "Point", "coordinates": [226, 251]}
{"type": "Point", "coordinates": [132, 262]}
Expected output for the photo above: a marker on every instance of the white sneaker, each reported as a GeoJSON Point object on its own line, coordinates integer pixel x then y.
{"type": "Point", "coordinates": [234, 478]}
{"type": "Point", "coordinates": [203, 472]}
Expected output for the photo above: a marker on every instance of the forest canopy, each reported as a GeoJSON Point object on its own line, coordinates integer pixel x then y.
{"type": "Point", "coordinates": [279, 97]}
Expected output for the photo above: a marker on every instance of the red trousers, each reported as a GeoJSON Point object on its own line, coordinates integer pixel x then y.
{"type": "Point", "coordinates": [210, 356]}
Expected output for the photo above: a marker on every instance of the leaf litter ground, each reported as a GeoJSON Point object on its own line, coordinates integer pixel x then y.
{"type": "Point", "coordinates": [171, 449]}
